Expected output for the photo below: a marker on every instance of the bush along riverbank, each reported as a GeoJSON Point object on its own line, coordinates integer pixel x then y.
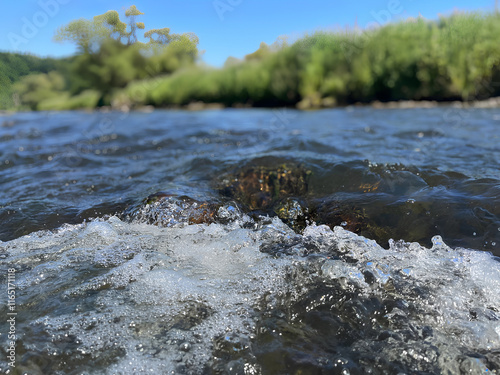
{"type": "Point", "coordinates": [456, 58]}
{"type": "Point", "coordinates": [16, 67]}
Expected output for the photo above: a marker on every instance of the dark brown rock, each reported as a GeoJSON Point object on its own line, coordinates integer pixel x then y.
{"type": "Point", "coordinates": [259, 187]}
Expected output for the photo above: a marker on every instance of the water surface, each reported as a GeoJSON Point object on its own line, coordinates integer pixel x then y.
{"type": "Point", "coordinates": [101, 290]}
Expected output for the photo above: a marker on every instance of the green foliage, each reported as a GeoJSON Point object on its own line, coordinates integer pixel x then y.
{"type": "Point", "coordinates": [131, 13]}
{"type": "Point", "coordinates": [454, 58]}
{"type": "Point", "coordinates": [35, 88]}
{"type": "Point", "coordinates": [89, 35]}
{"type": "Point", "coordinates": [260, 54]}
{"type": "Point", "coordinates": [111, 57]}
{"type": "Point", "coordinates": [457, 57]}
{"type": "Point", "coordinates": [46, 91]}
{"type": "Point", "coordinates": [64, 102]}
{"type": "Point", "coordinates": [179, 52]}
{"type": "Point", "coordinates": [115, 65]}
{"type": "Point", "coordinates": [109, 25]}
{"type": "Point", "coordinates": [112, 66]}
{"type": "Point", "coordinates": [15, 66]}
{"type": "Point", "coordinates": [6, 84]}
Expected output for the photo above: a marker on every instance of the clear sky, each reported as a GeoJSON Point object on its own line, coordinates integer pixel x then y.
{"type": "Point", "coordinates": [225, 27]}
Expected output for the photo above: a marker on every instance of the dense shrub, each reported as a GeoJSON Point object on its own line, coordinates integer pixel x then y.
{"type": "Point", "coordinates": [456, 57]}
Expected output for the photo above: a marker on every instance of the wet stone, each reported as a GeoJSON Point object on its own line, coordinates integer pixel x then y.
{"type": "Point", "coordinates": [259, 187]}
{"type": "Point", "coordinates": [256, 189]}
{"type": "Point", "coordinates": [293, 212]}
{"type": "Point", "coordinates": [349, 217]}
{"type": "Point", "coordinates": [263, 187]}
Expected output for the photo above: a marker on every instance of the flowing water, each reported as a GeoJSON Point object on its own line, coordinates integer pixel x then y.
{"type": "Point", "coordinates": [394, 268]}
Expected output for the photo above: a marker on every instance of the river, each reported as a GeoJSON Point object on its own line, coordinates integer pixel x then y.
{"type": "Point", "coordinates": [394, 269]}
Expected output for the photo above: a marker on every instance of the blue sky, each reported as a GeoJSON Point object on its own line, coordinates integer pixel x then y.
{"type": "Point", "coordinates": [225, 27]}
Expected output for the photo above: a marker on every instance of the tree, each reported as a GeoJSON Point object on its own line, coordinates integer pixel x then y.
{"type": "Point", "coordinates": [132, 12]}
{"type": "Point", "coordinates": [111, 55]}
{"type": "Point", "coordinates": [162, 36]}
{"type": "Point", "coordinates": [261, 53]}
{"type": "Point", "coordinates": [90, 34]}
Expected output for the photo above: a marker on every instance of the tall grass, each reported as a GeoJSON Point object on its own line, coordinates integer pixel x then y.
{"type": "Point", "coordinates": [457, 57]}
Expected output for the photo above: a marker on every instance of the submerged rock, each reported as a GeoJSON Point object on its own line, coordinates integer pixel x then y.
{"type": "Point", "coordinates": [260, 187]}
{"type": "Point", "coordinates": [350, 217]}
{"type": "Point", "coordinates": [269, 187]}
{"type": "Point", "coordinates": [263, 187]}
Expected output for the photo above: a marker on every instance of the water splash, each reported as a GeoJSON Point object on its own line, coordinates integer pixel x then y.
{"type": "Point", "coordinates": [249, 297]}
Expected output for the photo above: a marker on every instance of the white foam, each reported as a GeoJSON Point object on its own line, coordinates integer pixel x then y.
{"type": "Point", "coordinates": [155, 299]}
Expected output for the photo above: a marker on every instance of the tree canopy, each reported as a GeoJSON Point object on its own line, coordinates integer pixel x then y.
{"type": "Point", "coordinates": [111, 55]}
{"type": "Point", "coordinates": [89, 35]}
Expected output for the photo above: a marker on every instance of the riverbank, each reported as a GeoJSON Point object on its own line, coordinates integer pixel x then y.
{"type": "Point", "coordinates": [404, 65]}
{"type": "Point", "coordinates": [402, 104]}
{"type": "Point", "coordinates": [493, 102]}
{"type": "Point", "coordinates": [412, 63]}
